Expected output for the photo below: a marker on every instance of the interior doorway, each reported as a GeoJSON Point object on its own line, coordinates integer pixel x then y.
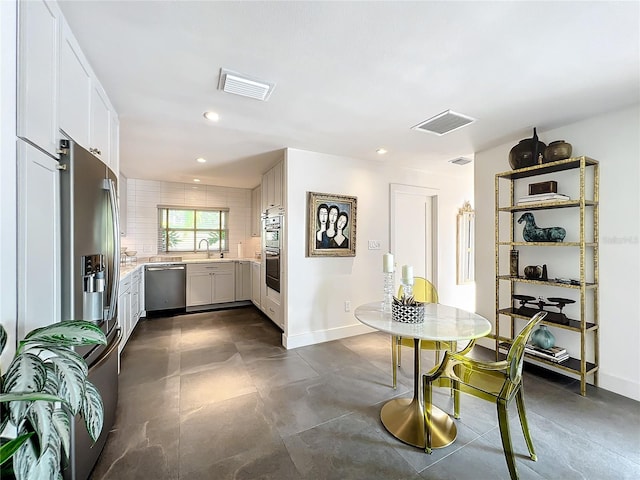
{"type": "Point", "coordinates": [413, 229]}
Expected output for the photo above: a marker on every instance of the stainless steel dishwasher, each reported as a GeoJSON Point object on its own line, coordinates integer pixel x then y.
{"type": "Point", "coordinates": [165, 287]}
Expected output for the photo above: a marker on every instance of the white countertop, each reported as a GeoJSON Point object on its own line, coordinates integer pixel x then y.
{"type": "Point", "coordinates": [142, 261]}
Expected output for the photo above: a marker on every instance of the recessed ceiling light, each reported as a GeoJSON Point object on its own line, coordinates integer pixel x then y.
{"type": "Point", "coordinates": [196, 180]}
{"type": "Point", "coordinates": [381, 151]}
{"type": "Point", "coordinates": [212, 116]}
{"type": "Point", "coordinates": [201, 160]}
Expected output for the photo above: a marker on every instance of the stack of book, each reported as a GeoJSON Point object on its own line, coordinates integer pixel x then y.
{"type": "Point", "coordinates": [542, 197]}
{"type": "Point", "coordinates": [553, 354]}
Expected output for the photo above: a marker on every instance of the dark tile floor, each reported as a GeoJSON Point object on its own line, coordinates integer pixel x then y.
{"type": "Point", "coordinates": [215, 396]}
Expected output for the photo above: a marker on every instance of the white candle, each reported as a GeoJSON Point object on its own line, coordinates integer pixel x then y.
{"type": "Point", "coordinates": [407, 274]}
{"type": "Point", "coordinates": [387, 263]}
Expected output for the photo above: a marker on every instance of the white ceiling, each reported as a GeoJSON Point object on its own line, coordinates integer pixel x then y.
{"type": "Point", "coordinates": [350, 77]}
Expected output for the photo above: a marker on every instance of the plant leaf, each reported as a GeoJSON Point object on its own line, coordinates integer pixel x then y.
{"type": "Point", "coordinates": [7, 449]}
{"type": "Point", "coordinates": [27, 467]}
{"type": "Point", "coordinates": [72, 333]}
{"type": "Point", "coordinates": [26, 373]}
{"type": "Point", "coordinates": [70, 356]}
{"type": "Point", "coordinates": [71, 382]}
{"type": "Point", "coordinates": [61, 423]}
{"type": "Point", "coordinates": [23, 459]}
{"type": "Point", "coordinates": [3, 338]}
{"type": "Point", "coordinates": [29, 396]}
{"type": "Point", "coordinates": [93, 411]}
{"type": "Point", "coordinates": [39, 415]}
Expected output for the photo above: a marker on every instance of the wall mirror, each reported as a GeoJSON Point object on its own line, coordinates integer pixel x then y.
{"type": "Point", "coordinates": [465, 245]}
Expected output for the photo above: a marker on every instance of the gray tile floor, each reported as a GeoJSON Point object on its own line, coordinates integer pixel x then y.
{"type": "Point", "coordinates": [215, 396]}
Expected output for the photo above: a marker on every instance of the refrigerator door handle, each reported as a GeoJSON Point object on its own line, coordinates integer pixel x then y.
{"type": "Point", "coordinates": [105, 355]}
{"type": "Point", "coordinates": [115, 214]}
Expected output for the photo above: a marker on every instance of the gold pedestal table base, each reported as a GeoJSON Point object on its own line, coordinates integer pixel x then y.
{"type": "Point", "coordinates": [404, 419]}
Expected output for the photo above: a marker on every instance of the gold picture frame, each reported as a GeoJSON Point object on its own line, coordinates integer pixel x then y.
{"type": "Point", "coordinates": [331, 225]}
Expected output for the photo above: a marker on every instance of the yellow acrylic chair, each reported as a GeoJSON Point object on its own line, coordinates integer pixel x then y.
{"type": "Point", "coordinates": [497, 382]}
{"type": "Point", "coordinates": [423, 291]}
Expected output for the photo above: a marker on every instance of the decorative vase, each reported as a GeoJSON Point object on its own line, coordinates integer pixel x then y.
{"type": "Point", "coordinates": [558, 150]}
{"type": "Point", "coordinates": [543, 338]}
{"type": "Point", "coordinates": [527, 153]}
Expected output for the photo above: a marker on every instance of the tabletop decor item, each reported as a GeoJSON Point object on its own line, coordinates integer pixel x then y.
{"type": "Point", "coordinates": [513, 262]}
{"type": "Point", "coordinates": [533, 233]}
{"type": "Point", "coordinates": [536, 272]}
{"type": "Point", "coordinates": [387, 270]}
{"type": "Point", "coordinates": [331, 225]}
{"type": "Point", "coordinates": [407, 310]}
{"type": "Point", "coordinates": [407, 280]}
{"type": "Point", "coordinates": [558, 150]}
{"type": "Point", "coordinates": [542, 337]}
{"type": "Point", "coordinates": [527, 153]}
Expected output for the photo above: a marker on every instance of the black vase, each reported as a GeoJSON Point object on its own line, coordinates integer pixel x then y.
{"type": "Point", "coordinates": [527, 153]}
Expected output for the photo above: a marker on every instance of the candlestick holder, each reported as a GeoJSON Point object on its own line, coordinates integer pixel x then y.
{"type": "Point", "coordinates": [407, 288]}
{"type": "Point", "coordinates": [387, 298]}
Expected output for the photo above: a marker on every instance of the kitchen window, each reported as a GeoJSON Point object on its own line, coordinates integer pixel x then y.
{"type": "Point", "coordinates": [182, 229]}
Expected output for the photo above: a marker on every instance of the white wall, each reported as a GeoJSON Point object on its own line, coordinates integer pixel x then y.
{"type": "Point", "coordinates": [144, 196]}
{"type": "Point", "coordinates": [317, 287]}
{"type": "Point", "coordinates": [614, 140]}
{"type": "Point", "coordinates": [8, 221]}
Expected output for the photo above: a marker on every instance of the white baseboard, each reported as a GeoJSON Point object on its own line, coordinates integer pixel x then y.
{"type": "Point", "coordinates": [321, 336]}
{"type": "Point", "coordinates": [621, 386]}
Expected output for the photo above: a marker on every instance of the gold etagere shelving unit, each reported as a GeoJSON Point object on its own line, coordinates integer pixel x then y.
{"type": "Point", "coordinates": [586, 325]}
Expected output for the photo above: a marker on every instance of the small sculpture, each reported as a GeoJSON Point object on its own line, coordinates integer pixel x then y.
{"type": "Point", "coordinates": [533, 233]}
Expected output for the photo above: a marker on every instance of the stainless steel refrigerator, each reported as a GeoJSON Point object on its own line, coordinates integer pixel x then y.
{"type": "Point", "coordinates": [90, 276]}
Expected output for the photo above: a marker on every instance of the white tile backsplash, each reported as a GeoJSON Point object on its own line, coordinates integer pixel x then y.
{"type": "Point", "coordinates": [144, 196]}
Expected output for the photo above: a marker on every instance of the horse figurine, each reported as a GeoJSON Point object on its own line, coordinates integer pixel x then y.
{"type": "Point", "coordinates": [533, 233]}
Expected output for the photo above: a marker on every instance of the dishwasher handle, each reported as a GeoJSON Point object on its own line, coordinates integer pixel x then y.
{"type": "Point", "coordinates": [156, 269]}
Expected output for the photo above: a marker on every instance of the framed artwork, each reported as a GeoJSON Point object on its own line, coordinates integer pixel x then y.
{"type": "Point", "coordinates": [331, 225]}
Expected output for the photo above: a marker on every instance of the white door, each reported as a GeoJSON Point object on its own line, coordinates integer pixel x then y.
{"type": "Point", "coordinates": [413, 223]}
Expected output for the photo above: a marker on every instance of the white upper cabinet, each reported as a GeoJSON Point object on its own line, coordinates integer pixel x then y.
{"type": "Point", "coordinates": [272, 187]}
{"type": "Point", "coordinates": [256, 211]}
{"type": "Point", "coordinates": [38, 46]}
{"type": "Point", "coordinates": [75, 89]}
{"type": "Point", "coordinates": [100, 126]}
{"type": "Point", "coordinates": [114, 150]}
{"type": "Point", "coordinates": [86, 114]}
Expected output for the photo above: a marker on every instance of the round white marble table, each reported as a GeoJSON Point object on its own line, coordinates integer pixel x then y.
{"type": "Point", "coordinates": [404, 417]}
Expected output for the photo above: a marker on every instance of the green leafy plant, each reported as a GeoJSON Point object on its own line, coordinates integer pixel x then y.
{"type": "Point", "coordinates": [44, 387]}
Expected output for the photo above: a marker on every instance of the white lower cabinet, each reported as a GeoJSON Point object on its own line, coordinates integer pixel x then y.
{"type": "Point", "coordinates": [124, 310]}
{"type": "Point", "coordinates": [273, 310]}
{"type": "Point", "coordinates": [255, 284]}
{"type": "Point", "coordinates": [243, 280]}
{"type": "Point", "coordinates": [136, 297]}
{"type": "Point", "coordinates": [209, 283]}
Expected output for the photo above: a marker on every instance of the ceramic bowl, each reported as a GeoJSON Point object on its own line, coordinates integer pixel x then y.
{"type": "Point", "coordinates": [131, 253]}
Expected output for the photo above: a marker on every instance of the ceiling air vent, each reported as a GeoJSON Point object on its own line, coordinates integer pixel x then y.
{"type": "Point", "coordinates": [460, 161]}
{"type": "Point", "coordinates": [444, 122]}
{"type": "Point", "coordinates": [238, 84]}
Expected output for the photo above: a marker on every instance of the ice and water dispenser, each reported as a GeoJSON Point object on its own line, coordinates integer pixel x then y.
{"type": "Point", "coordinates": [93, 283]}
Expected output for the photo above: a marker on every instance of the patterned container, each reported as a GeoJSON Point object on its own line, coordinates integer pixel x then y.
{"type": "Point", "coordinates": [408, 313]}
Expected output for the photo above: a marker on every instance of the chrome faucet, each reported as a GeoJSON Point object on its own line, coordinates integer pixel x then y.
{"type": "Point", "coordinates": [207, 242]}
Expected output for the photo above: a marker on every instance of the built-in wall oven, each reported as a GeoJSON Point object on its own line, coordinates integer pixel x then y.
{"type": "Point", "coordinates": [272, 247]}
